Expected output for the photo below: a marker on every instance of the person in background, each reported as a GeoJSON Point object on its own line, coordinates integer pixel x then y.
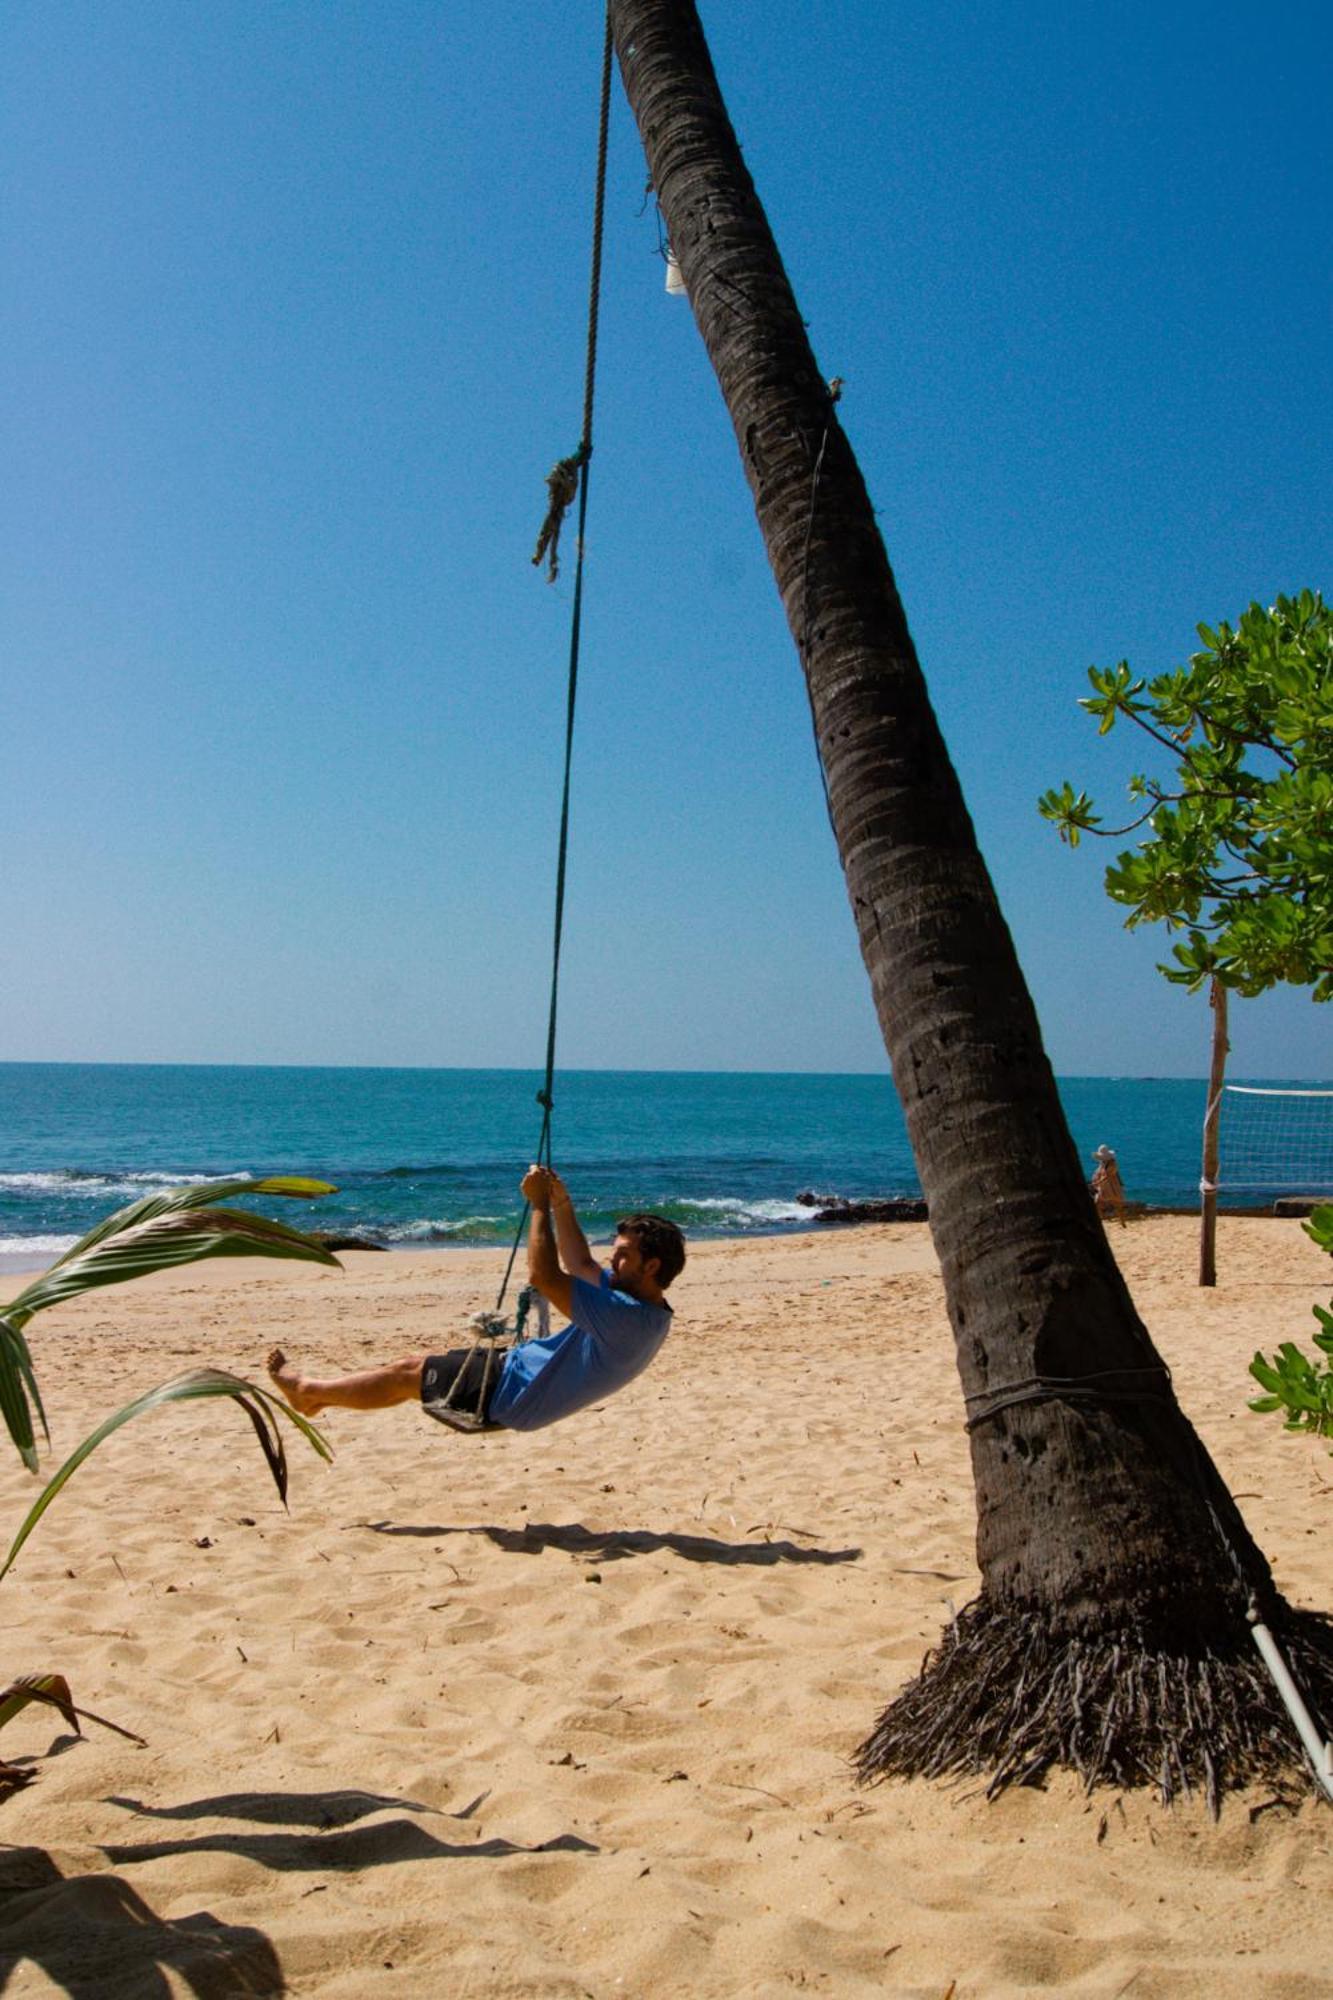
{"type": "Point", "coordinates": [1107, 1188]}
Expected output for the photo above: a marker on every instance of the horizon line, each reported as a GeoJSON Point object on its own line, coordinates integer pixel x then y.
{"type": "Point", "coordinates": [576, 1069]}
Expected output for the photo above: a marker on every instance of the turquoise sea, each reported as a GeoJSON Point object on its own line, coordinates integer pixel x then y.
{"type": "Point", "coordinates": [427, 1157]}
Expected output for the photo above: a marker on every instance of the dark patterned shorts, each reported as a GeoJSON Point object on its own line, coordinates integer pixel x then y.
{"type": "Point", "coordinates": [441, 1371]}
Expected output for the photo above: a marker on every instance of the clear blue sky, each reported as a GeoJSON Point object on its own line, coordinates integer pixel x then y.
{"type": "Point", "coordinates": [292, 319]}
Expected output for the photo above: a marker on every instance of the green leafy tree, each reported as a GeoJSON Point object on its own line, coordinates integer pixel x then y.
{"type": "Point", "coordinates": [1236, 843]}
{"type": "Point", "coordinates": [1301, 1388]}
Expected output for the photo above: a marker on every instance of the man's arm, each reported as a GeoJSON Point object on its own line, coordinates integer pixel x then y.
{"type": "Point", "coordinates": [555, 1240]}
{"type": "Point", "coordinates": [543, 1261]}
{"type": "Point", "coordinates": [570, 1240]}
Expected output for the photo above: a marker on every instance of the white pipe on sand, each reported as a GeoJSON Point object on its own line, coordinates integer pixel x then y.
{"type": "Point", "coordinates": [1319, 1752]}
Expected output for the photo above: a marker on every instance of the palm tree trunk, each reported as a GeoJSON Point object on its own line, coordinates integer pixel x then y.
{"type": "Point", "coordinates": [1100, 1516]}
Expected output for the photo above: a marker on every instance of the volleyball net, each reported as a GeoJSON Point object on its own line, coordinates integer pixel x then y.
{"type": "Point", "coordinates": [1277, 1142]}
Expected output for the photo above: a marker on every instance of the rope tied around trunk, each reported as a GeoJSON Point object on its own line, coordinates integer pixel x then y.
{"type": "Point", "coordinates": [1068, 1389]}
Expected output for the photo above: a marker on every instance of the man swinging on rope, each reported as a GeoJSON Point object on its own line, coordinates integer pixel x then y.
{"type": "Point", "coordinates": [618, 1317]}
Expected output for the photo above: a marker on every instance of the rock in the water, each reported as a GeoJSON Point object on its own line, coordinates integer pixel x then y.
{"type": "Point", "coordinates": [839, 1209]}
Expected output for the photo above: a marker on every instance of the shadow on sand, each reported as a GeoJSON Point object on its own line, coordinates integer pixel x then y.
{"type": "Point", "coordinates": [314, 1809]}
{"type": "Point", "coordinates": [329, 1847]}
{"type": "Point", "coordinates": [95, 1938]}
{"type": "Point", "coordinates": [381, 1846]}
{"type": "Point", "coordinates": [616, 1544]}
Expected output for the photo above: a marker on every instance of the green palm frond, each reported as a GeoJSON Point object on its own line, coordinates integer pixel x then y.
{"type": "Point", "coordinates": [17, 1385]}
{"type": "Point", "coordinates": [180, 1226]}
{"type": "Point", "coordinates": [197, 1194]}
{"type": "Point", "coordinates": [260, 1405]}
{"type": "Point", "coordinates": [164, 1240]}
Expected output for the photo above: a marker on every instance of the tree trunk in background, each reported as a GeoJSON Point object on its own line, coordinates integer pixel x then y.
{"type": "Point", "coordinates": [1098, 1510]}
{"type": "Point", "coordinates": [1212, 1121]}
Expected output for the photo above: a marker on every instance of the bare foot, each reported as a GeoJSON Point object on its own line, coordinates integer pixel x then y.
{"type": "Point", "coordinates": [292, 1385]}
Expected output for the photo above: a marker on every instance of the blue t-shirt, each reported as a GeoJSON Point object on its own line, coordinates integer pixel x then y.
{"type": "Point", "coordinates": [609, 1341]}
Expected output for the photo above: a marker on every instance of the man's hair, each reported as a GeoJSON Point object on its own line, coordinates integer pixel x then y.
{"type": "Point", "coordinates": [656, 1237]}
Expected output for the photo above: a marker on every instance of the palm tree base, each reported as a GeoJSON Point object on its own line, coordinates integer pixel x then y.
{"type": "Point", "coordinates": [1004, 1698]}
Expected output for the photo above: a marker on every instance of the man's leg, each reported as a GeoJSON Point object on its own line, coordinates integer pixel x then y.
{"type": "Point", "coordinates": [372, 1389]}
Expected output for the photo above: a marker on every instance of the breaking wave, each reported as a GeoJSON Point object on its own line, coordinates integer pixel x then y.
{"type": "Point", "coordinates": [725, 1213]}
{"type": "Point", "coordinates": [74, 1184]}
{"type": "Point", "coordinates": [467, 1229]}
{"type": "Point", "coordinates": [36, 1246]}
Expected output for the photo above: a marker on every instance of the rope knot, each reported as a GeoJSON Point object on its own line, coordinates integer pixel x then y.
{"type": "Point", "coordinates": [562, 483]}
{"type": "Point", "coordinates": [545, 1099]}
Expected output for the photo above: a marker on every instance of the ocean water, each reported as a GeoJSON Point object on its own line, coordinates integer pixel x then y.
{"type": "Point", "coordinates": [427, 1158]}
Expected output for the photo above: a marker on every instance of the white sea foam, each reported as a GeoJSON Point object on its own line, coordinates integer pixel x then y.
{"type": "Point", "coordinates": [38, 1183]}
{"type": "Point", "coordinates": [96, 1187]}
{"type": "Point", "coordinates": [32, 1253]}
{"type": "Point", "coordinates": [438, 1230]}
{"type": "Point", "coordinates": [747, 1214]}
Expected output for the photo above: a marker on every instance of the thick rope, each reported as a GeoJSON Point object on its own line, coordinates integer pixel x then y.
{"type": "Point", "coordinates": [991, 1403]}
{"type": "Point", "coordinates": [579, 462]}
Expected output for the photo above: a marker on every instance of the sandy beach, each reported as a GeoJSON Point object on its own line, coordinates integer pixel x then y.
{"type": "Point", "coordinates": [573, 1713]}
